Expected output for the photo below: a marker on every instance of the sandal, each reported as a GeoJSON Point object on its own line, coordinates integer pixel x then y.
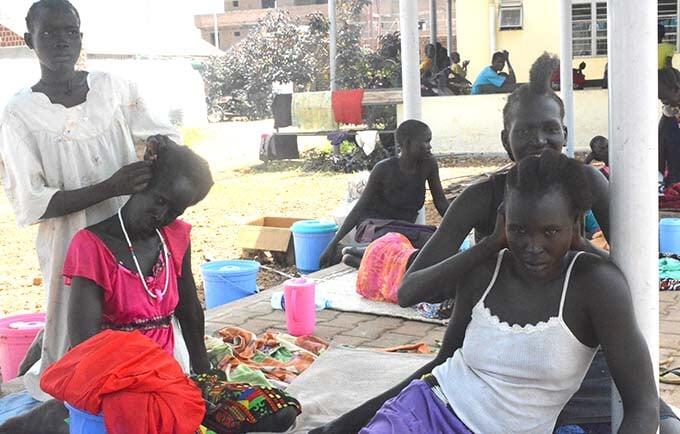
{"type": "Point", "coordinates": [665, 362]}
{"type": "Point", "coordinates": [670, 376]}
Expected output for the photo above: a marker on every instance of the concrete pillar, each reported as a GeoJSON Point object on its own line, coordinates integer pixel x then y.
{"type": "Point", "coordinates": [333, 48]}
{"type": "Point", "coordinates": [633, 137]}
{"type": "Point", "coordinates": [216, 32]}
{"type": "Point", "coordinates": [566, 76]}
{"type": "Point", "coordinates": [492, 27]}
{"type": "Point", "coordinates": [433, 21]}
{"type": "Point", "coordinates": [410, 53]}
{"type": "Point", "coordinates": [449, 27]}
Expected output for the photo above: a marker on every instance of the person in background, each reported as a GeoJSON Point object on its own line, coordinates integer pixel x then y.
{"type": "Point", "coordinates": [456, 69]}
{"type": "Point", "coordinates": [492, 80]}
{"type": "Point", "coordinates": [669, 84]}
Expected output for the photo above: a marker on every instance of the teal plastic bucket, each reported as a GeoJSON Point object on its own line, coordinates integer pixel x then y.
{"type": "Point", "coordinates": [226, 281]}
{"type": "Point", "coordinates": [310, 238]}
{"type": "Point", "coordinates": [82, 422]}
{"type": "Point", "coordinates": [669, 235]}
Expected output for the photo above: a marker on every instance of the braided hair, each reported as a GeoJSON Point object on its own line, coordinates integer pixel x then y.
{"type": "Point", "coordinates": [538, 86]}
{"type": "Point", "coordinates": [540, 174]}
{"type": "Point", "coordinates": [48, 4]}
{"type": "Point", "coordinates": [173, 161]}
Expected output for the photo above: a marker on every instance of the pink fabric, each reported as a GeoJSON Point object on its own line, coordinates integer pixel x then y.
{"type": "Point", "coordinates": [126, 305]}
{"type": "Point", "coordinates": [383, 267]}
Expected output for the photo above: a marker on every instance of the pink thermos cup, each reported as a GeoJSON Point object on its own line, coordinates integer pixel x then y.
{"type": "Point", "coordinates": [298, 297]}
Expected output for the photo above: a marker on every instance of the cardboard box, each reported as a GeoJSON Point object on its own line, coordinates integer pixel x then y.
{"type": "Point", "coordinates": [267, 233]}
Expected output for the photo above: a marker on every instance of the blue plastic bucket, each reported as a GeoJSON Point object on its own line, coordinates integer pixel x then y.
{"type": "Point", "coordinates": [310, 238]}
{"type": "Point", "coordinates": [82, 422]}
{"type": "Point", "coordinates": [226, 281]}
{"type": "Point", "coordinates": [669, 235]}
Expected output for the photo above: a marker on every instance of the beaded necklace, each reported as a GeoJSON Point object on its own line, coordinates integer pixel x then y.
{"type": "Point", "coordinates": [157, 294]}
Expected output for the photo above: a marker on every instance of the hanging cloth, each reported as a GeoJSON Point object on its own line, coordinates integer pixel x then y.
{"type": "Point", "coordinates": [312, 111]}
{"type": "Point", "coordinates": [281, 109]}
{"type": "Point", "coordinates": [348, 106]}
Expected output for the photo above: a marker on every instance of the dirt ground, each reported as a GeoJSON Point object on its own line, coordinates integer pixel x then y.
{"type": "Point", "coordinates": [239, 195]}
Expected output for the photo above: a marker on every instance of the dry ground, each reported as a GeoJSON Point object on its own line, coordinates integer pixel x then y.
{"type": "Point", "coordinates": [239, 195]}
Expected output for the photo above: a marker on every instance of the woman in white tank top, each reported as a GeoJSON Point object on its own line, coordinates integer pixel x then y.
{"type": "Point", "coordinates": [529, 315]}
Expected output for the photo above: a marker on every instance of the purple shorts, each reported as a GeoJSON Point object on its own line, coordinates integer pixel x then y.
{"type": "Point", "coordinates": [415, 410]}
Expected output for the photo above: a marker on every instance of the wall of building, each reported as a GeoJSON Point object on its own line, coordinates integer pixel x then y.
{"type": "Point", "coordinates": [10, 39]}
{"type": "Point", "coordinates": [473, 123]}
{"type": "Point", "coordinates": [242, 4]}
{"type": "Point", "coordinates": [540, 32]}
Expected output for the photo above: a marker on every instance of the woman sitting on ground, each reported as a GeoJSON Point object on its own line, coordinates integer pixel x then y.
{"type": "Point", "coordinates": [530, 313]}
{"type": "Point", "coordinates": [132, 271]}
{"type": "Point", "coordinates": [395, 192]}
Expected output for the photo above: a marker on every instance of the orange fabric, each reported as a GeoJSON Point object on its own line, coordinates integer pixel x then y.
{"type": "Point", "coordinates": [419, 347]}
{"type": "Point", "coordinates": [245, 344]}
{"type": "Point", "coordinates": [139, 387]}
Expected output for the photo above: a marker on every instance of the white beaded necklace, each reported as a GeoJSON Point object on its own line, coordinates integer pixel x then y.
{"type": "Point", "coordinates": [156, 294]}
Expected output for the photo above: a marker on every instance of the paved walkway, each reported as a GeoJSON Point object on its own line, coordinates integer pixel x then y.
{"type": "Point", "coordinates": [255, 313]}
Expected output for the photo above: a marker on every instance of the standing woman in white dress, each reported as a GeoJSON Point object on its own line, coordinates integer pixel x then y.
{"type": "Point", "coordinates": [67, 145]}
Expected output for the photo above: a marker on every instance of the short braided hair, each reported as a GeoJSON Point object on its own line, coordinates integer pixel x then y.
{"type": "Point", "coordinates": [539, 174]}
{"type": "Point", "coordinates": [538, 86]}
{"type": "Point", "coordinates": [48, 4]}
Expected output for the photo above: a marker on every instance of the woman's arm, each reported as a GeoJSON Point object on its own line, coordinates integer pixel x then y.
{"type": "Point", "coordinates": [463, 214]}
{"type": "Point", "coordinates": [436, 189]}
{"type": "Point", "coordinates": [367, 196]}
{"type": "Point", "coordinates": [610, 309]}
{"type": "Point", "coordinates": [190, 315]}
{"type": "Point", "coordinates": [84, 310]}
{"type": "Point", "coordinates": [440, 281]}
{"type": "Point", "coordinates": [129, 179]}
{"type": "Point", "coordinates": [354, 420]}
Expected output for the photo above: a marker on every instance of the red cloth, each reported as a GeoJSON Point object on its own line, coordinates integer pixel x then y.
{"type": "Point", "coordinates": [348, 106]}
{"type": "Point", "coordinates": [126, 305]}
{"type": "Point", "coordinates": [139, 387]}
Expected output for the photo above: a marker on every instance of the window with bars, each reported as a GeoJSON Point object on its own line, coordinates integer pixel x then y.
{"type": "Point", "coordinates": [589, 28]}
{"type": "Point", "coordinates": [668, 16]}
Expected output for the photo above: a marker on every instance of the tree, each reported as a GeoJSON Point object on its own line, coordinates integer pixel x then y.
{"type": "Point", "coordinates": [282, 49]}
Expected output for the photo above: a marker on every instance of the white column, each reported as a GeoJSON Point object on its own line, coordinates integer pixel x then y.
{"type": "Point", "coordinates": [449, 27]}
{"type": "Point", "coordinates": [566, 77]}
{"type": "Point", "coordinates": [492, 28]}
{"type": "Point", "coordinates": [433, 21]}
{"type": "Point", "coordinates": [633, 117]}
{"type": "Point", "coordinates": [410, 52]}
{"type": "Point", "coordinates": [333, 49]}
{"type": "Point", "coordinates": [216, 34]}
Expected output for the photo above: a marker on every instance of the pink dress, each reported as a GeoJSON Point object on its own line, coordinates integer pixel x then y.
{"type": "Point", "coordinates": [127, 306]}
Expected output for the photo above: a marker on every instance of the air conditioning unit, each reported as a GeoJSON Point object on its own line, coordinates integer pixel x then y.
{"type": "Point", "coordinates": [510, 15]}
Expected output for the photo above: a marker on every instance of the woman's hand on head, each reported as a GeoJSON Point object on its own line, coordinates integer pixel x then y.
{"type": "Point", "coordinates": [499, 237]}
{"type": "Point", "coordinates": [131, 179]}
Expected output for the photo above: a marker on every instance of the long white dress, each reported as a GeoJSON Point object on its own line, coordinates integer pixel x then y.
{"type": "Point", "coordinates": [47, 147]}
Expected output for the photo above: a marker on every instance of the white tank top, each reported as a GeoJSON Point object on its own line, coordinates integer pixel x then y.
{"type": "Point", "coordinates": [514, 379]}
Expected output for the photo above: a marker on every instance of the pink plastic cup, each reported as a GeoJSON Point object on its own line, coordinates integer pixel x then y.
{"type": "Point", "coordinates": [298, 297]}
{"type": "Point", "coordinates": [17, 333]}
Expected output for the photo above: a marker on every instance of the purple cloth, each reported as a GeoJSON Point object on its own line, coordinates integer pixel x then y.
{"type": "Point", "coordinates": [415, 410]}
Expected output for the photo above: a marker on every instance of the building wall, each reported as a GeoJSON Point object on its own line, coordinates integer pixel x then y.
{"type": "Point", "coordinates": [242, 4]}
{"type": "Point", "coordinates": [473, 123]}
{"type": "Point", "coordinates": [540, 32]}
{"type": "Point", "coordinates": [10, 39]}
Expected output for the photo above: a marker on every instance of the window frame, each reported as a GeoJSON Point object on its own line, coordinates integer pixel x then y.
{"type": "Point", "coordinates": [594, 20]}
